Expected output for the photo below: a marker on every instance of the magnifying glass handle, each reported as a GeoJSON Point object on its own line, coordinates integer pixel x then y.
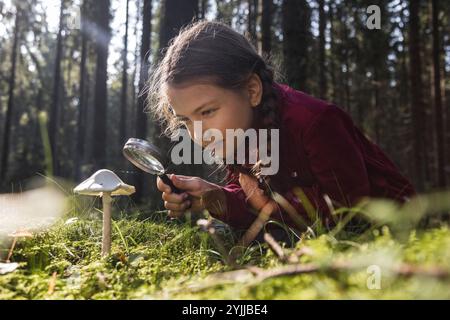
{"type": "Point", "coordinates": [169, 182]}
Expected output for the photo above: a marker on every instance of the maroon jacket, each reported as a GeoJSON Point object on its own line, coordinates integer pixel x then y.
{"type": "Point", "coordinates": [323, 152]}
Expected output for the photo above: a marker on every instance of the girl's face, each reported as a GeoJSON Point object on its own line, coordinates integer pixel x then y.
{"type": "Point", "coordinates": [216, 107]}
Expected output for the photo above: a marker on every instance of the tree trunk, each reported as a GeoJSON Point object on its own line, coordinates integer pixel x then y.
{"type": "Point", "coordinates": [322, 67]}
{"type": "Point", "coordinates": [346, 61]}
{"type": "Point", "coordinates": [252, 21]}
{"type": "Point", "coordinates": [141, 119]}
{"type": "Point", "coordinates": [137, 65]}
{"type": "Point", "coordinates": [203, 8]}
{"type": "Point", "coordinates": [333, 51]}
{"type": "Point", "coordinates": [418, 114]}
{"type": "Point", "coordinates": [56, 95]}
{"type": "Point", "coordinates": [10, 106]}
{"type": "Point", "coordinates": [174, 15]}
{"type": "Point", "coordinates": [53, 125]}
{"type": "Point", "coordinates": [376, 105]}
{"type": "Point", "coordinates": [296, 39]}
{"type": "Point", "coordinates": [102, 39]}
{"type": "Point", "coordinates": [124, 93]}
{"type": "Point", "coordinates": [79, 156]}
{"type": "Point", "coordinates": [266, 26]}
{"type": "Point", "coordinates": [438, 96]}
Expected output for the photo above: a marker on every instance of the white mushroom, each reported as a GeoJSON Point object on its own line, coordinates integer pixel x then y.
{"type": "Point", "coordinates": [15, 235]}
{"type": "Point", "coordinates": [105, 183]}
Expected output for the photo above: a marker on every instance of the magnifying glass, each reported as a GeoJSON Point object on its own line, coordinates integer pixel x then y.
{"type": "Point", "coordinates": [148, 158]}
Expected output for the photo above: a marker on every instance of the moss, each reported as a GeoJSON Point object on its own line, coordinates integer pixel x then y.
{"type": "Point", "coordinates": [162, 259]}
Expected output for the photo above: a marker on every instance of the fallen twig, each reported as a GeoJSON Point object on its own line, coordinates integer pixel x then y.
{"type": "Point", "coordinates": [254, 275]}
{"type": "Point", "coordinates": [207, 226]}
{"type": "Point", "coordinates": [275, 247]}
{"type": "Point", "coordinates": [403, 270]}
{"type": "Point", "coordinates": [52, 284]}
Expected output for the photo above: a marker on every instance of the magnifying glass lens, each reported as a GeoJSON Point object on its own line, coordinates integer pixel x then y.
{"type": "Point", "coordinates": [148, 158]}
{"type": "Point", "coordinates": [144, 161]}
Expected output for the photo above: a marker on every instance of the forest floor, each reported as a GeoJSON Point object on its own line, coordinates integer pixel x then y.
{"type": "Point", "coordinates": [155, 258]}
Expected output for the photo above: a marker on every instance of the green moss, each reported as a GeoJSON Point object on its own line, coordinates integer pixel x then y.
{"type": "Point", "coordinates": [163, 260]}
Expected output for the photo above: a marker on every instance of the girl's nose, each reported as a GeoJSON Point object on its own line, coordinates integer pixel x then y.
{"type": "Point", "coordinates": [197, 136]}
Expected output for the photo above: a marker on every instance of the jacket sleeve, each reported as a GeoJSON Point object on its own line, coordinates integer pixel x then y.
{"type": "Point", "coordinates": [240, 216]}
{"type": "Point", "coordinates": [238, 213]}
{"type": "Point", "coordinates": [335, 157]}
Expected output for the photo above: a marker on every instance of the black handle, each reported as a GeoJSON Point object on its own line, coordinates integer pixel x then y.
{"type": "Point", "coordinates": [169, 182]}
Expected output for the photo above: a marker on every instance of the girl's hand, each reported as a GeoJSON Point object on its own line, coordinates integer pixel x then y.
{"type": "Point", "coordinates": [255, 196]}
{"type": "Point", "coordinates": [194, 189]}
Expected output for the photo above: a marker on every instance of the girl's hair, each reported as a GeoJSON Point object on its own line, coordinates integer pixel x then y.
{"type": "Point", "coordinates": [209, 52]}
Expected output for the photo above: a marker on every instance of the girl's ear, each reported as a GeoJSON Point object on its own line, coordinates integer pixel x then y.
{"type": "Point", "coordinates": [255, 90]}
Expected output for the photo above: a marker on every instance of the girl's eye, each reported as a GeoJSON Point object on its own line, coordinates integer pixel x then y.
{"type": "Point", "coordinates": [208, 112]}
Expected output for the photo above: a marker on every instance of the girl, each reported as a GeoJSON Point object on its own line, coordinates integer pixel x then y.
{"type": "Point", "coordinates": [211, 73]}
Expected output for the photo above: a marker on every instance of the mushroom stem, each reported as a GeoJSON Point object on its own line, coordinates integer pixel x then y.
{"type": "Point", "coordinates": [10, 253]}
{"type": "Point", "coordinates": [106, 240]}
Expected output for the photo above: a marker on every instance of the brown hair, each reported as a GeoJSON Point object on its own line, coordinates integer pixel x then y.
{"type": "Point", "coordinates": [213, 52]}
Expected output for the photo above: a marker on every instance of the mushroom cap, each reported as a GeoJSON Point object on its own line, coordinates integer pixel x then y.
{"type": "Point", "coordinates": [21, 233]}
{"type": "Point", "coordinates": [104, 181]}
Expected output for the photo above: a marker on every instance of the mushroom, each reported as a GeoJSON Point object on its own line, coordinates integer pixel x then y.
{"type": "Point", "coordinates": [105, 183]}
{"type": "Point", "coordinates": [15, 235]}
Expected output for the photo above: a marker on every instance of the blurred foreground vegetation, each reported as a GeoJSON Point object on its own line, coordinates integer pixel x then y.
{"type": "Point", "coordinates": [156, 258]}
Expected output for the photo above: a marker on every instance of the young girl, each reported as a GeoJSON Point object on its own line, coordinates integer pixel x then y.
{"type": "Point", "coordinates": [211, 73]}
